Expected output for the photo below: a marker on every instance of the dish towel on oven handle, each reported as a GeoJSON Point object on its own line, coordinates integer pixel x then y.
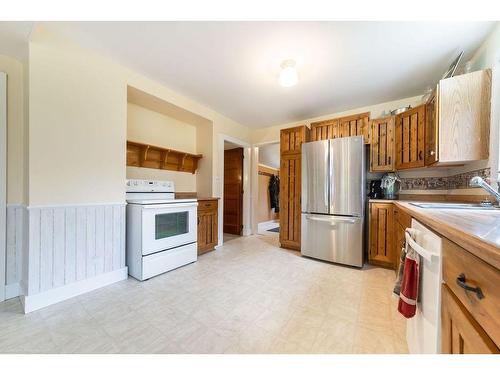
{"type": "Point", "coordinates": [408, 295]}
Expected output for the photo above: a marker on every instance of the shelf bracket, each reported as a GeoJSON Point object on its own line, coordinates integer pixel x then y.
{"type": "Point", "coordinates": [144, 155]}
{"type": "Point", "coordinates": [181, 164]}
{"type": "Point", "coordinates": [165, 159]}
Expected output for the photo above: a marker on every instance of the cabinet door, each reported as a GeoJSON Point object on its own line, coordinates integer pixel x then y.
{"type": "Point", "coordinates": [324, 130]}
{"type": "Point", "coordinates": [409, 138]}
{"type": "Point", "coordinates": [431, 129]}
{"type": "Point", "coordinates": [464, 117]}
{"type": "Point", "coordinates": [290, 185]}
{"type": "Point", "coordinates": [382, 235]}
{"type": "Point", "coordinates": [460, 333]}
{"type": "Point", "coordinates": [382, 145]}
{"type": "Point", "coordinates": [290, 207]}
{"type": "Point", "coordinates": [207, 230]}
{"type": "Point", "coordinates": [358, 124]}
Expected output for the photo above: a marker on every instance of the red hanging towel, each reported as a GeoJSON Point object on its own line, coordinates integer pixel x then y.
{"type": "Point", "coordinates": [408, 295]}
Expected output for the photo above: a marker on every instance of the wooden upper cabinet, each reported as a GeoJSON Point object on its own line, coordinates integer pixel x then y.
{"type": "Point", "coordinates": [324, 130]}
{"type": "Point", "coordinates": [290, 185]}
{"type": "Point", "coordinates": [382, 145]}
{"type": "Point", "coordinates": [348, 126]}
{"type": "Point", "coordinates": [291, 140]}
{"type": "Point", "coordinates": [358, 124]}
{"type": "Point", "coordinates": [431, 128]}
{"type": "Point", "coordinates": [464, 118]}
{"type": "Point", "coordinates": [409, 138]}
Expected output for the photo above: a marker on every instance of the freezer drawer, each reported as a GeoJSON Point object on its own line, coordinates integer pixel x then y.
{"type": "Point", "coordinates": [336, 239]}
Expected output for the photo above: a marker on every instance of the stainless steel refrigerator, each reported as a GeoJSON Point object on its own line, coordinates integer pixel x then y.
{"type": "Point", "coordinates": [333, 191]}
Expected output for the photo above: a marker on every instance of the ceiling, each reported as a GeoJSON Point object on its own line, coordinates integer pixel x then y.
{"type": "Point", "coordinates": [14, 38]}
{"type": "Point", "coordinates": [232, 67]}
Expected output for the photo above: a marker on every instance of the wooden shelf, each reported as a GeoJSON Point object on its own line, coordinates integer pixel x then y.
{"type": "Point", "coordinates": [149, 156]}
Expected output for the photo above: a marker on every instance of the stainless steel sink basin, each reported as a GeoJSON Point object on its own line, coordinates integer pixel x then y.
{"type": "Point", "coordinates": [460, 206]}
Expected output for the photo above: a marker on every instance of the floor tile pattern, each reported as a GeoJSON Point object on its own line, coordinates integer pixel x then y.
{"type": "Point", "coordinates": [249, 296]}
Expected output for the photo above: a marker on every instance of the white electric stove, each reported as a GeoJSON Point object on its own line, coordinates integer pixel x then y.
{"type": "Point", "coordinates": [161, 230]}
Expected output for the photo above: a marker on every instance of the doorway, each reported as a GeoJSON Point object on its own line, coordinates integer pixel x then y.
{"type": "Point", "coordinates": [267, 210]}
{"type": "Point", "coordinates": [233, 191]}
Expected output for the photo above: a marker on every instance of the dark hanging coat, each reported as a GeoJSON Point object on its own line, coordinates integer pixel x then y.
{"type": "Point", "coordinates": [274, 192]}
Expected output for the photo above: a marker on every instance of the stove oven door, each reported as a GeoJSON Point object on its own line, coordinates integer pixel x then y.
{"type": "Point", "coordinates": [166, 226]}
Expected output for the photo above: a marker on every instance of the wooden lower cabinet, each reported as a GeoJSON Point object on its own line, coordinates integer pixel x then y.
{"type": "Point", "coordinates": [460, 333]}
{"type": "Point", "coordinates": [207, 225]}
{"type": "Point", "coordinates": [382, 242]}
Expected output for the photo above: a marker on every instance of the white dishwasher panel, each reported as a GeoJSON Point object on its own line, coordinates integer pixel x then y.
{"type": "Point", "coordinates": [423, 331]}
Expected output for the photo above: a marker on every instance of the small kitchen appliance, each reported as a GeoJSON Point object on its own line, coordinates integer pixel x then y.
{"type": "Point", "coordinates": [375, 189]}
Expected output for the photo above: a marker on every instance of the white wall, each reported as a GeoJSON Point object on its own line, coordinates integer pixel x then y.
{"type": "Point", "coordinates": [78, 107]}
{"type": "Point", "coordinates": [151, 127]}
{"type": "Point", "coordinates": [16, 192]}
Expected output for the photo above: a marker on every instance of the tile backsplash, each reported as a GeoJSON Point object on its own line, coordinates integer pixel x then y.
{"type": "Point", "coordinates": [458, 181]}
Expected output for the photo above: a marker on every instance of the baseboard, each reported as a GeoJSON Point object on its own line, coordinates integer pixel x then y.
{"type": "Point", "coordinates": [265, 225]}
{"type": "Point", "coordinates": [12, 290]}
{"type": "Point", "coordinates": [49, 297]}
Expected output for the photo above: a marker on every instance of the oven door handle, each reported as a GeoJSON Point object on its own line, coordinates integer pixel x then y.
{"type": "Point", "coordinates": [169, 205]}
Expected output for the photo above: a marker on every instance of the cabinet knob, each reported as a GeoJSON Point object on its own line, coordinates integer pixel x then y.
{"type": "Point", "coordinates": [431, 152]}
{"type": "Point", "coordinates": [420, 155]}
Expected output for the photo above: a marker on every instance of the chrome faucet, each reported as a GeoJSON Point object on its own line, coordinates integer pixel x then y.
{"type": "Point", "coordinates": [479, 182]}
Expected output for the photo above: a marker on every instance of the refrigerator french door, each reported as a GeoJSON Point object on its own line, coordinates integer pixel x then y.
{"type": "Point", "coordinates": [333, 183]}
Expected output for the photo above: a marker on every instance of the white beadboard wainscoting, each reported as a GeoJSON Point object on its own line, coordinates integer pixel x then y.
{"type": "Point", "coordinates": [16, 238]}
{"type": "Point", "coordinates": [72, 250]}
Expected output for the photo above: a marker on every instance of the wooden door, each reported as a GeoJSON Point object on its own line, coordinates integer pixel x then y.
{"type": "Point", "coordinates": [358, 124]}
{"type": "Point", "coordinates": [290, 185]}
{"type": "Point", "coordinates": [382, 145]}
{"type": "Point", "coordinates": [460, 333]}
{"type": "Point", "coordinates": [233, 191]}
{"type": "Point", "coordinates": [382, 235]}
{"type": "Point", "coordinates": [431, 129]}
{"type": "Point", "coordinates": [409, 138]}
{"type": "Point", "coordinates": [324, 130]}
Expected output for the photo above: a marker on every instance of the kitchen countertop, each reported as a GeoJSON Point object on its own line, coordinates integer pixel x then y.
{"type": "Point", "coordinates": [478, 231]}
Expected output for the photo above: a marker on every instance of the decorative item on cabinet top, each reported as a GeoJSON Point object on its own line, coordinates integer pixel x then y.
{"type": "Point", "coordinates": [149, 156]}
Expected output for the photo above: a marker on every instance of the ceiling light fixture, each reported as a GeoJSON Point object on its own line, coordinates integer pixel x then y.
{"type": "Point", "coordinates": [288, 75]}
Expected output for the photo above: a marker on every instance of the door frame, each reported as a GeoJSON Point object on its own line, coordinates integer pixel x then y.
{"type": "Point", "coordinates": [3, 184]}
{"type": "Point", "coordinates": [255, 181]}
{"type": "Point", "coordinates": [247, 193]}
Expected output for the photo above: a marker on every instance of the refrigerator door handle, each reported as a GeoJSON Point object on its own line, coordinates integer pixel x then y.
{"type": "Point", "coordinates": [333, 220]}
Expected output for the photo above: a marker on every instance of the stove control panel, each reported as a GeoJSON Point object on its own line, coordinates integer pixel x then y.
{"type": "Point", "coordinates": [147, 186]}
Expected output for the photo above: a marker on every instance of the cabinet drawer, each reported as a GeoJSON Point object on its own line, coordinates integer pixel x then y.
{"type": "Point", "coordinates": [478, 274]}
{"type": "Point", "coordinates": [207, 205]}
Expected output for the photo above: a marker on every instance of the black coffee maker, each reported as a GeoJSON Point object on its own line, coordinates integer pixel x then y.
{"type": "Point", "coordinates": [375, 190]}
